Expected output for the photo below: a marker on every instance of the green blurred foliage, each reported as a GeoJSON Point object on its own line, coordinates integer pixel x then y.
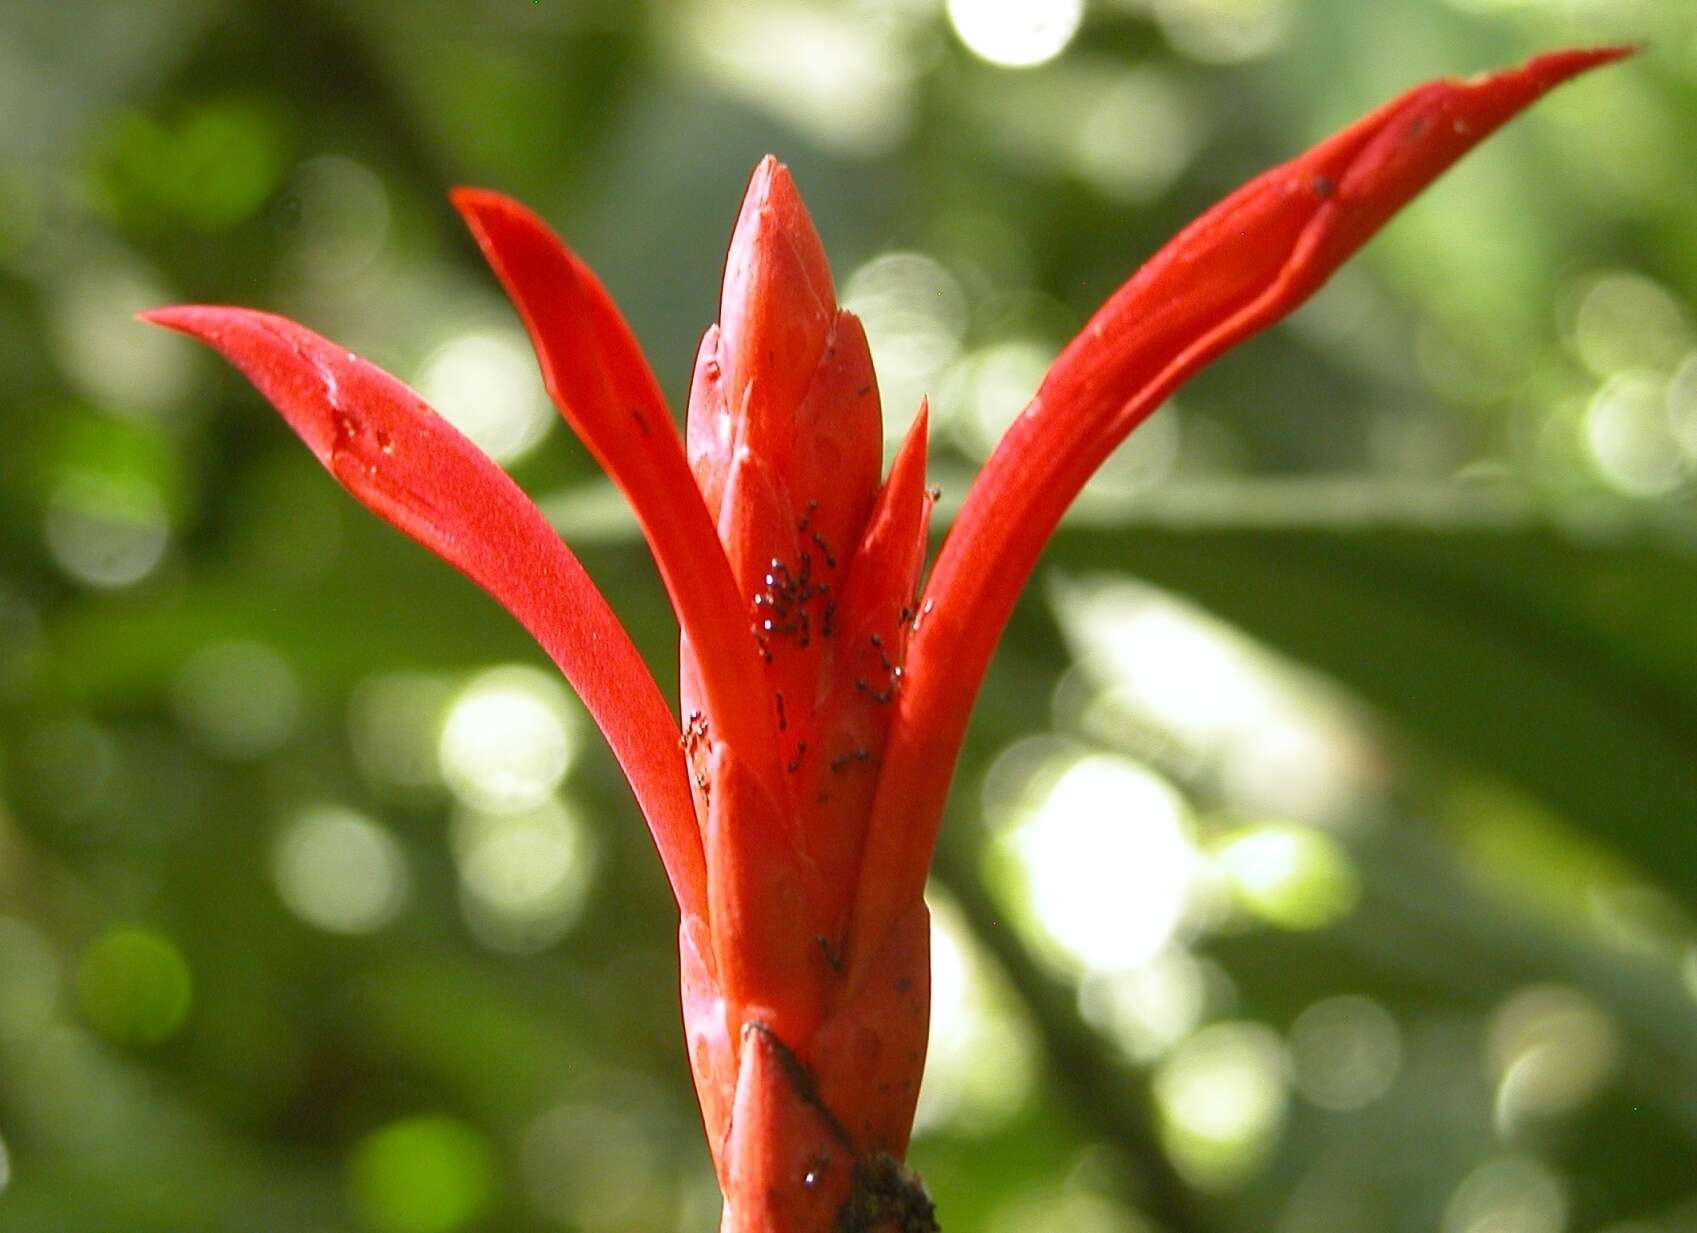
{"type": "Point", "coordinates": [1386, 630]}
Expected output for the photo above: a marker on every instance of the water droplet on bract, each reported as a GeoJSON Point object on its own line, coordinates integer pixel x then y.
{"type": "Point", "coordinates": [816, 1168]}
{"type": "Point", "coordinates": [385, 442]}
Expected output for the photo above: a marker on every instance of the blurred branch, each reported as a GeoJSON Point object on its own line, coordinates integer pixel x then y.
{"type": "Point", "coordinates": [1114, 1103]}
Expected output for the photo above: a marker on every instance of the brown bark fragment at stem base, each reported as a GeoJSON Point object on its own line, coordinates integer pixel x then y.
{"type": "Point", "coordinates": [887, 1198]}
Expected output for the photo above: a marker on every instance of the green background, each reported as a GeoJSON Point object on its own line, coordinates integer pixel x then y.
{"type": "Point", "coordinates": [1324, 854]}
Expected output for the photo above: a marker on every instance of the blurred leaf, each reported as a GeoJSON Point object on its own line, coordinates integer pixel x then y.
{"type": "Point", "coordinates": [211, 169]}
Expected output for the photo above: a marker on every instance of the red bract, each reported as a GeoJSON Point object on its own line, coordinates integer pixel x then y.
{"type": "Point", "coordinates": [824, 696]}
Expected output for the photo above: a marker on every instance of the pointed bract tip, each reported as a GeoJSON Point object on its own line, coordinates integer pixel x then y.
{"type": "Point", "coordinates": [908, 468]}
{"type": "Point", "coordinates": [772, 208]}
{"type": "Point", "coordinates": [1555, 67]}
{"type": "Point", "coordinates": [475, 202]}
{"type": "Point", "coordinates": [464, 197]}
{"type": "Point", "coordinates": [776, 305]}
{"type": "Point", "coordinates": [771, 179]}
{"type": "Point", "coordinates": [213, 323]}
{"type": "Point", "coordinates": [179, 317]}
{"type": "Point", "coordinates": [207, 323]}
{"type": "Point", "coordinates": [483, 209]}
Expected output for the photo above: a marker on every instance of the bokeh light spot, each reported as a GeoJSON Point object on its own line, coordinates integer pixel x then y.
{"type": "Point", "coordinates": [1291, 876]}
{"type": "Point", "coordinates": [1148, 1009]}
{"type": "Point", "coordinates": [1515, 1194]}
{"type": "Point", "coordinates": [1138, 133]}
{"type": "Point", "coordinates": [108, 355]}
{"type": "Point", "coordinates": [1551, 1049]}
{"type": "Point", "coordinates": [1631, 436]}
{"type": "Point", "coordinates": [914, 313]}
{"type": "Point", "coordinates": [425, 1174]}
{"type": "Point", "coordinates": [525, 877]}
{"type": "Point", "coordinates": [1682, 407]}
{"type": "Point", "coordinates": [339, 871]}
{"type": "Point", "coordinates": [485, 383]}
{"type": "Point", "coordinates": [1138, 463]}
{"type": "Point", "coordinates": [1277, 739]}
{"type": "Point", "coordinates": [1187, 671]}
{"type": "Point", "coordinates": [508, 740]}
{"type": "Point", "coordinates": [1345, 1052]}
{"type": "Point", "coordinates": [1625, 320]}
{"type": "Point", "coordinates": [595, 1167]}
{"type": "Point", "coordinates": [1222, 1099]}
{"type": "Point", "coordinates": [1223, 31]}
{"type": "Point", "coordinates": [986, 390]}
{"type": "Point", "coordinates": [845, 81]}
{"type": "Point", "coordinates": [1106, 862]}
{"type": "Point", "coordinates": [134, 986]}
{"type": "Point", "coordinates": [105, 532]}
{"type": "Point", "coordinates": [1016, 33]}
{"type": "Point", "coordinates": [239, 698]}
{"type": "Point", "coordinates": [339, 212]}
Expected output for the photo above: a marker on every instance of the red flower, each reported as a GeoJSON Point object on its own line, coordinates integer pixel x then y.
{"type": "Point", "coordinates": [824, 695]}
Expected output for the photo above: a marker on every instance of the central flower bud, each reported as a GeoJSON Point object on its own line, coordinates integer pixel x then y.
{"type": "Point", "coordinates": [785, 441]}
